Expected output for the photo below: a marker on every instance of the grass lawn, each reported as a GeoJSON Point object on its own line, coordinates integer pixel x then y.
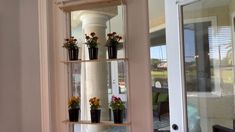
{"type": "Point", "coordinates": [226, 75]}
{"type": "Point", "coordinates": [159, 74]}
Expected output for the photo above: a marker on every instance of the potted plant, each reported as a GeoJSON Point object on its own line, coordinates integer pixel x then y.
{"type": "Point", "coordinates": [95, 111]}
{"type": "Point", "coordinates": [92, 44]}
{"type": "Point", "coordinates": [112, 42]}
{"type": "Point", "coordinates": [72, 47]}
{"type": "Point", "coordinates": [118, 107]}
{"type": "Point", "coordinates": [74, 107]}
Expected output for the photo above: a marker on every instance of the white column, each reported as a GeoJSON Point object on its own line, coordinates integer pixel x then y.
{"type": "Point", "coordinates": [94, 74]}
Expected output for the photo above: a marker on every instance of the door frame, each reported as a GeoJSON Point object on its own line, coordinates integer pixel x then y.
{"type": "Point", "coordinates": [175, 59]}
{"type": "Point", "coordinates": [177, 94]}
{"type": "Point", "coordinates": [233, 43]}
{"type": "Point", "coordinates": [46, 122]}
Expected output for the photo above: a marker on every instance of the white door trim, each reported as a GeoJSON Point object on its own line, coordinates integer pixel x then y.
{"type": "Point", "coordinates": [176, 81]}
{"type": "Point", "coordinates": [44, 66]}
{"type": "Point", "coordinates": [233, 43]}
{"type": "Point", "coordinates": [233, 28]}
{"type": "Point", "coordinates": [53, 74]}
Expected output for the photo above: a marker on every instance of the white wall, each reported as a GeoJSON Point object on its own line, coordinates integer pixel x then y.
{"type": "Point", "coordinates": [10, 74]}
{"type": "Point", "coordinates": [19, 67]}
{"type": "Point", "coordinates": [30, 77]}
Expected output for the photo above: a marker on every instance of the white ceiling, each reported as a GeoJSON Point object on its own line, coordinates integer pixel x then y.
{"type": "Point", "coordinates": [206, 4]}
{"type": "Point", "coordinates": [214, 3]}
{"type": "Point", "coordinates": [156, 8]}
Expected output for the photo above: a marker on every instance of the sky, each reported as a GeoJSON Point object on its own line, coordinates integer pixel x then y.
{"type": "Point", "coordinates": [158, 52]}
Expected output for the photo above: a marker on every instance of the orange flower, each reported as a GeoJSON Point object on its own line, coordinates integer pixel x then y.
{"type": "Point", "coordinates": [95, 103]}
{"type": "Point", "coordinates": [74, 102]}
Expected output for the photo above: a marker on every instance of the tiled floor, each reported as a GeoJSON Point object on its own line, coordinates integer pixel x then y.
{"type": "Point", "coordinates": [165, 122]}
{"type": "Point", "coordinates": [161, 130]}
{"type": "Point", "coordinates": [163, 125]}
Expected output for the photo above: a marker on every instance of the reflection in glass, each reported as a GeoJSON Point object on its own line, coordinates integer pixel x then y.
{"type": "Point", "coordinates": [208, 63]}
{"type": "Point", "coordinates": [197, 64]}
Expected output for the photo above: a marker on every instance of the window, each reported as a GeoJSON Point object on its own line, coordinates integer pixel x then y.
{"type": "Point", "coordinates": [197, 56]}
{"type": "Point", "coordinates": [99, 78]}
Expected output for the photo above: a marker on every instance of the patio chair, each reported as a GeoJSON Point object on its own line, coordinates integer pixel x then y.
{"type": "Point", "coordinates": [160, 104]}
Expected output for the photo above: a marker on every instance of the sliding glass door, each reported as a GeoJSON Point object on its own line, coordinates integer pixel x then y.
{"type": "Point", "coordinates": [201, 51]}
{"type": "Point", "coordinates": [208, 64]}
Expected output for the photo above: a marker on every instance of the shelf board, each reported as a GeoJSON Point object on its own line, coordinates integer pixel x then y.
{"type": "Point", "coordinates": [98, 60]}
{"type": "Point", "coordinates": [73, 5]}
{"type": "Point", "coordinates": [104, 123]}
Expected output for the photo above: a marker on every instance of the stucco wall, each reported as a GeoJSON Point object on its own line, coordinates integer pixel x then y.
{"type": "Point", "coordinates": [19, 67]}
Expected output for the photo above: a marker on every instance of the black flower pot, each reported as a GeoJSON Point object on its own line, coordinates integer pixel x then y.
{"type": "Point", "coordinates": [95, 116]}
{"type": "Point", "coordinates": [73, 54]}
{"type": "Point", "coordinates": [74, 114]}
{"type": "Point", "coordinates": [93, 53]}
{"type": "Point", "coordinates": [112, 52]}
{"type": "Point", "coordinates": [118, 116]}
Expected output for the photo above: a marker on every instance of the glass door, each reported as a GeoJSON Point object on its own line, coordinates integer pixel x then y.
{"type": "Point", "coordinates": [208, 64]}
{"type": "Point", "coordinates": [203, 53]}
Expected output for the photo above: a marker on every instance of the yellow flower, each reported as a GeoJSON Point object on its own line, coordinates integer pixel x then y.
{"type": "Point", "coordinates": [74, 101]}
{"type": "Point", "coordinates": [94, 102]}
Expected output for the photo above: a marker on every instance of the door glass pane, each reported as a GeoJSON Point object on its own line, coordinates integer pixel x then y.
{"type": "Point", "coordinates": [208, 32]}
{"type": "Point", "coordinates": [160, 102]}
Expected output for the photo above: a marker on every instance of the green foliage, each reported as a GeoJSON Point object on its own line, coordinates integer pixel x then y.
{"type": "Point", "coordinates": [70, 43]}
{"type": "Point", "coordinates": [117, 103]}
{"type": "Point", "coordinates": [91, 41]}
{"type": "Point", "coordinates": [113, 39]}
